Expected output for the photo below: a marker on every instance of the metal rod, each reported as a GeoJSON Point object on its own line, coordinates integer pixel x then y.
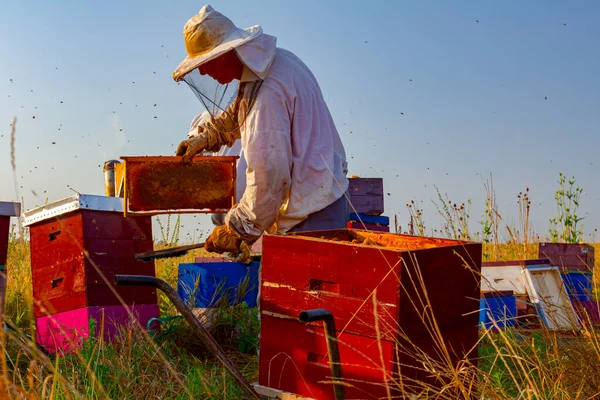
{"type": "Point", "coordinates": [209, 341]}
{"type": "Point", "coordinates": [321, 314]}
{"type": "Point", "coordinates": [166, 253]}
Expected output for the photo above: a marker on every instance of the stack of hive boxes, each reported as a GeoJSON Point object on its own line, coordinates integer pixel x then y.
{"type": "Point", "coordinates": [576, 263]}
{"type": "Point", "coordinates": [366, 197]}
{"type": "Point", "coordinates": [78, 244]}
{"type": "Point", "coordinates": [384, 291]}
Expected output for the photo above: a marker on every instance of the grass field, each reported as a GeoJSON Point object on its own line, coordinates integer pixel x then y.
{"type": "Point", "coordinates": [536, 365]}
{"type": "Point", "coordinates": [511, 364]}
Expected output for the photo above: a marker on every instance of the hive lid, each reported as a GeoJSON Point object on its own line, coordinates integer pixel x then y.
{"type": "Point", "coordinates": [9, 209]}
{"type": "Point", "coordinates": [70, 204]}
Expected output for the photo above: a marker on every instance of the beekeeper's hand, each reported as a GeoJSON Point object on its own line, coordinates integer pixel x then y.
{"type": "Point", "coordinates": [190, 147]}
{"type": "Point", "coordinates": [223, 239]}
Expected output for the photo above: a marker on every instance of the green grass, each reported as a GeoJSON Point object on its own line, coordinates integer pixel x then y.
{"type": "Point", "coordinates": [174, 365]}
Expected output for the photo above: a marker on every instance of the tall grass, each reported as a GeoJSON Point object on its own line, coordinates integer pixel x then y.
{"type": "Point", "coordinates": [511, 363]}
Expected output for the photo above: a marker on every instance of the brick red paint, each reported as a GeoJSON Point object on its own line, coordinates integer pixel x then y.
{"type": "Point", "coordinates": [64, 251]}
{"type": "Point", "coordinates": [310, 270]}
{"type": "Point", "coordinates": [295, 360]}
{"type": "Point", "coordinates": [343, 309]}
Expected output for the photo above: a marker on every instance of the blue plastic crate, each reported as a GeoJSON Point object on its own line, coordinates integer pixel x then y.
{"type": "Point", "coordinates": [579, 285]}
{"type": "Point", "coordinates": [203, 284]}
{"type": "Point", "coordinates": [369, 219]}
{"type": "Point", "coordinates": [501, 309]}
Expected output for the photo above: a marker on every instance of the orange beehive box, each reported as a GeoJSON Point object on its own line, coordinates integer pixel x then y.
{"type": "Point", "coordinates": [164, 185]}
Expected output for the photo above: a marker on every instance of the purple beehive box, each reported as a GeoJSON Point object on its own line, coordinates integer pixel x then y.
{"type": "Point", "coordinates": [366, 195]}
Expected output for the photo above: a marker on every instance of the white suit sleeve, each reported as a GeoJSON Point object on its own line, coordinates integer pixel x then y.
{"type": "Point", "coordinates": [268, 151]}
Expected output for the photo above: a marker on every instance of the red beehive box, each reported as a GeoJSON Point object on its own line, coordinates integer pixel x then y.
{"type": "Point", "coordinates": [77, 241]}
{"type": "Point", "coordinates": [340, 271]}
{"type": "Point", "coordinates": [567, 256]}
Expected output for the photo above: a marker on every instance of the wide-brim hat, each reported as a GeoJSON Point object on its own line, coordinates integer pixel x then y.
{"type": "Point", "coordinates": [208, 35]}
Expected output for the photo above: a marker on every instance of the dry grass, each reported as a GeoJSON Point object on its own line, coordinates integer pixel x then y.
{"type": "Point", "coordinates": [130, 367]}
{"type": "Point", "coordinates": [511, 364]}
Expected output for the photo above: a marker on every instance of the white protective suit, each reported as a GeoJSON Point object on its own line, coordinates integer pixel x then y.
{"type": "Point", "coordinates": [296, 163]}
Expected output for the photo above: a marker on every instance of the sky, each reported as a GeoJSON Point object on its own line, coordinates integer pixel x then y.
{"type": "Point", "coordinates": [424, 94]}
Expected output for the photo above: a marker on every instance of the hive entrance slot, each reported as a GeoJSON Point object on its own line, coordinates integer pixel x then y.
{"type": "Point", "coordinates": [56, 282]}
{"type": "Point", "coordinates": [324, 286]}
{"type": "Point", "coordinates": [53, 235]}
{"type": "Point", "coordinates": [316, 358]}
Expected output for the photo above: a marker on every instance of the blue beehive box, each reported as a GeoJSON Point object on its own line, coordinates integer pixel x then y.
{"type": "Point", "coordinates": [369, 219]}
{"type": "Point", "coordinates": [205, 284]}
{"type": "Point", "coordinates": [579, 285]}
{"type": "Point", "coordinates": [498, 308]}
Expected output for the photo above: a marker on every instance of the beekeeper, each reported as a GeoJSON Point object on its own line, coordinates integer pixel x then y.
{"type": "Point", "coordinates": [295, 163]}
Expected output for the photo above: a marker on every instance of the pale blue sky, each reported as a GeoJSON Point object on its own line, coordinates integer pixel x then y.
{"type": "Point", "coordinates": [422, 93]}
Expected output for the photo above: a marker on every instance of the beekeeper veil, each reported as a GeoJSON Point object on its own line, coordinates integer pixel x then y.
{"type": "Point", "coordinates": [208, 36]}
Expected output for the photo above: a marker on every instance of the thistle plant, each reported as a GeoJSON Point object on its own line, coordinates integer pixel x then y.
{"type": "Point", "coordinates": [565, 227]}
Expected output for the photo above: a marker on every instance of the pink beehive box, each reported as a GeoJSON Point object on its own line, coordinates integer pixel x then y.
{"type": "Point", "coordinates": [65, 332]}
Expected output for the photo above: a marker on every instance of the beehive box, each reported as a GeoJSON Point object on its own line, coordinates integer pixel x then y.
{"type": "Point", "coordinates": [337, 271]}
{"type": "Point", "coordinates": [77, 246]}
{"type": "Point", "coordinates": [203, 284]}
{"type": "Point", "coordinates": [7, 210]}
{"type": "Point", "coordinates": [567, 256]}
{"type": "Point", "coordinates": [66, 331]}
{"type": "Point", "coordinates": [163, 185]}
{"type": "Point", "coordinates": [366, 195]}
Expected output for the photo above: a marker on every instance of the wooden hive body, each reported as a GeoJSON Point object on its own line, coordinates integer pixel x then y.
{"type": "Point", "coordinates": [75, 255]}
{"type": "Point", "coordinates": [567, 256]}
{"type": "Point", "coordinates": [7, 210]}
{"type": "Point", "coordinates": [326, 270]}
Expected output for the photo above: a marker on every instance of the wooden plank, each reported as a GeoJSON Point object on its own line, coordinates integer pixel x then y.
{"type": "Point", "coordinates": [112, 225]}
{"type": "Point", "coordinates": [293, 358]}
{"type": "Point", "coordinates": [501, 278]}
{"type": "Point", "coordinates": [367, 204]}
{"type": "Point", "coordinates": [368, 226]}
{"type": "Point", "coordinates": [365, 186]}
{"type": "Point", "coordinates": [548, 293]}
{"type": "Point", "coordinates": [349, 271]}
{"type": "Point", "coordinates": [366, 195]}
{"type": "Point", "coordinates": [568, 256]}
{"type": "Point", "coordinates": [348, 313]}
{"type": "Point", "coordinates": [268, 393]}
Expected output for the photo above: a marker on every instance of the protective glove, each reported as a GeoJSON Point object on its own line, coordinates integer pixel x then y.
{"type": "Point", "coordinates": [223, 239]}
{"type": "Point", "coordinates": [189, 148]}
